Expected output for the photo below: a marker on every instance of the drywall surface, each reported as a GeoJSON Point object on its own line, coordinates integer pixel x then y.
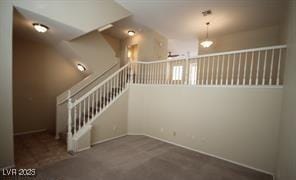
{"type": "Point", "coordinates": [84, 16]}
{"type": "Point", "coordinates": [40, 74]}
{"type": "Point", "coordinates": [114, 42]}
{"type": "Point", "coordinates": [286, 169]}
{"type": "Point", "coordinates": [262, 37]}
{"type": "Point", "coordinates": [113, 122]}
{"type": "Point", "coordinates": [94, 51]}
{"type": "Point", "coordinates": [151, 46]}
{"type": "Point", "coordinates": [238, 124]}
{"type": "Point", "coordinates": [6, 113]}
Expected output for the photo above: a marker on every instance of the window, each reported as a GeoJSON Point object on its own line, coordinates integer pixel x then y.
{"type": "Point", "coordinates": [177, 73]}
{"type": "Point", "coordinates": [192, 73]}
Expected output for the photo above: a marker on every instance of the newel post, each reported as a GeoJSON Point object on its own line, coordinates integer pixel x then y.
{"type": "Point", "coordinates": [69, 138]}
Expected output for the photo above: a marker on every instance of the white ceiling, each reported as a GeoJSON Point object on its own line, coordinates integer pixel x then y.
{"type": "Point", "coordinates": [22, 26]}
{"type": "Point", "coordinates": [179, 19]}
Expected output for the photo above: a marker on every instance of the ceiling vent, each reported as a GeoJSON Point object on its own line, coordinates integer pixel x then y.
{"type": "Point", "coordinates": [207, 12]}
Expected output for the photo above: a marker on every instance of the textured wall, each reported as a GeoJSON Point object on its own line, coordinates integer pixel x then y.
{"type": "Point", "coordinates": [238, 124]}
{"type": "Point", "coordinates": [40, 74]}
{"type": "Point", "coordinates": [6, 113]}
{"type": "Point", "coordinates": [287, 147]}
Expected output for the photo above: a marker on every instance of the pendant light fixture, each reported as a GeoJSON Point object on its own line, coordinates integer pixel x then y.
{"type": "Point", "coordinates": [207, 43]}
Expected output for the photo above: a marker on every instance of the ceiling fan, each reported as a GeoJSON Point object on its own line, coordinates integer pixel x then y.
{"type": "Point", "coordinates": [170, 55]}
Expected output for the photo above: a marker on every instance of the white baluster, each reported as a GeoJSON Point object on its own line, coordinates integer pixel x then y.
{"type": "Point", "coordinates": [75, 119]}
{"type": "Point", "coordinates": [158, 73]}
{"type": "Point", "coordinates": [217, 70]}
{"type": "Point", "coordinates": [239, 67]}
{"type": "Point", "coordinates": [117, 83]}
{"type": "Point", "coordinates": [93, 104]}
{"type": "Point", "coordinates": [149, 73]}
{"type": "Point", "coordinates": [88, 107]}
{"type": "Point", "coordinates": [100, 98]}
{"type": "Point", "coordinates": [186, 70]}
{"type": "Point", "coordinates": [84, 113]}
{"type": "Point", "coordinates": [208, 67]}
{"type": "Point", "coordinates": [142, 73]}
{"type": "Point", "coordinates": [154, 73]}
{"type": "Point", "coordinates": [125, 76]}
{"type": "Point", "coordinates": [257, 71]}
{"type": "Point", "coordinates": [163, 73]}
{"type": "Point", "coordinates": [138, 73]}
{"type": "Point", "coordinates": [227, 70]}
{"type": "Point", "coordinates": [213, 66]}
{"type": "Point", "coordinates": [245, 68]}
{"type": "Point", "coordinates": [222, 69]}
{"type": "Point", "coordinates": [111, 82]}
{"type": "Point", "coordinates": [69, 139]}
{"type": "Point", "coordinates": [170, 72]}
{"type": "Point", "coordinates": [79, 116]}
{"type": "Point", "coordinates": [145, 74]}
{"type": "Point", "coordinates": [279, 68]}
{"type": "Point", "coordinates": [271, 67]}
{"type": "Point", "coordinates": [199, 70]}
{"type": "Point", "coordinates": [97, 100]}
{"type": "Point", "coordinates": [103, 96]}
{"type": "Point", "coordinates": [251, 70]}
{"type": "Point", "coordinates": [233, 66]}
{"type": "Point", "coordinates": [180, 74]}
{"type": "Point", "coordinates": [264, 68]}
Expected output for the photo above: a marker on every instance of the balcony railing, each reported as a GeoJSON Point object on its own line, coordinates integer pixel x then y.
{"type": "Point", "coordinates": [260, 66]}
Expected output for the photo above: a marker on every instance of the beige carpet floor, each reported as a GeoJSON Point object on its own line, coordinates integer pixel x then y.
{"type": "Point", "coordinates": [144, 158]}
{"type": "Point", "coordinates": [38, 150]}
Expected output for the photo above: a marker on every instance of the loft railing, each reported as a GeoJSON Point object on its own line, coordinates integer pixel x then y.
{"type": "Point", "coordinates": [251, 67]}
{"type": "Point", "coordinates": [260, 66]}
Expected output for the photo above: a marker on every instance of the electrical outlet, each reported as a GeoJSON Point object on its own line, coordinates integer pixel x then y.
{"type": "Point", "coordinates": [162, 130]}
{"type": "Point", "coordinates": [114, 128]}
{"type": "Point", "coordinates": [174, 133]}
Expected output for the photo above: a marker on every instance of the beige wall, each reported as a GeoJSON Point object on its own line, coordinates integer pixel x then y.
{"type": "Point", "coordinates": [40, 74]}
{"type": "Point", "coordinates": [113, 122]}
{"type": "Point", "coordinates": [238, 124]}
{"type": "Point", "coordinates": [266, 36]}
{"type": "Point", "coordinates": [6, 113]}
{"type": "Point", "coordinates": [94, 51]}
{"type": "Point", "coordinates": [115, 43]}
{"type": "Point", "coordinates": [110, 124]}
{"type": "Point", "coordinates": [84, 16]}
{"type": "Point", "coordinates": [287, 157]}
{"type": "Point", "coordinates": [151, 46]}
{"type": "Point", "coordinates": [99, 53]}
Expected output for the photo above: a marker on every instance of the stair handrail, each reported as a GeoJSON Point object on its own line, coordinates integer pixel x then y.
{"type": "Point", "coordinates": [77, 101]}
{"type": "Point", "coordinates": [215, 54]}
{"type": "Point", "coordinates": [70, 95]}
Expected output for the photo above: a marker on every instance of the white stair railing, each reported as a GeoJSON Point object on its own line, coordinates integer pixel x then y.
{"type": "Point", "coordinates": [250, 67]}
{"type": "Point", "coordinates": [84, 110]}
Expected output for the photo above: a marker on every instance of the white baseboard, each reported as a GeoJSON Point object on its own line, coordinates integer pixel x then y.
{"type": "Point", "coordinates": [83, 149]}
{"type": "Point", "coordinates": [108, 139]}
{"type": "Point", "coordinates": [205, 153]}
{"type": "Point", "coordinates": [30, 132]}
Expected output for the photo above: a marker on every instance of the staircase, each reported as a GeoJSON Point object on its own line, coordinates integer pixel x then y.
{"type": "Point", "coordinates": [83, 111]}
{"type": "Point", "coordinates": [89, 113]}
{"type": "Point", "coordinates": [252, 67]}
